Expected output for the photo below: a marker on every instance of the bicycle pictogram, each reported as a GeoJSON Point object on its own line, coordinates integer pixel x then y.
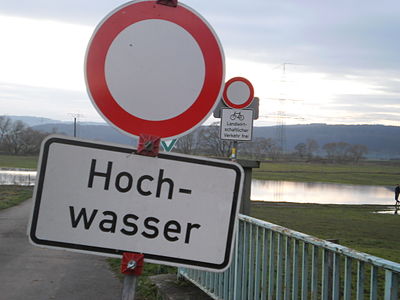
{"type": "Point", "coordinates": [237, 115]}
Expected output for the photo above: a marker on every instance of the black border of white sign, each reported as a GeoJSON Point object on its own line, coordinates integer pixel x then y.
{"type": "Point", "coordinates": [61, 157]}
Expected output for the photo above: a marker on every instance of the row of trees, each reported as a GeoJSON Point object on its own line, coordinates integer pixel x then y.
{"type": "Point", "coordinates": [345, 152]}
{"type": "Point", "coordinates": [19, 139]}
{"type": "Point", "coordinates": [206, 141]}
{"type": "Point", "coordinates": [335, 152]}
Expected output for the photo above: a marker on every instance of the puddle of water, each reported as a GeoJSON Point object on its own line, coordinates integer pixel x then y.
{"type": "Point", "coordinates": [17, 177]}
{"type": "Point", "coordinates": [323, 193]}
{"type": "Point", "coordinates": [388, 212]}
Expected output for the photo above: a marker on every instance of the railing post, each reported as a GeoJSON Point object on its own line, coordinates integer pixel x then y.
{"type": "Point", "coordinates": [238, 257]}
{"type": "Point", "coordinates": [304, 274]}
{"type": "Point", "coordinates": [279, 268]}
{"type": "Point", "coordinates": [374, 283]}
{"type": "Point", "coordinates": [250, 262]}
{"type": "Point", "coordinates": [295, 274]}
{"type": "Point", "coordinates": [325, 274]}
{"type": "Point", "coordinates": [257, 264]}
{"type": "Point", "coordinates": [271, 272]}
{"type": "Point", "coordinates": [336, 277]}
{"type": "Point", "coordinates": [360, 280]}
{"type": "Point", "coordinates": [314, 273]}
{"type": "Point", "coordinates": [264, 274]}
{"type": "Point", "coordinates": [347, 278]}
{"type": "Point", "coordinates": [288, 268]}
{"type": "Point", "coordinates": [391, 285]}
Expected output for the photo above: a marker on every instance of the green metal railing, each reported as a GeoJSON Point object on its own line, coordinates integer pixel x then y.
{"type": "Point", "coordinates": [273, 262]}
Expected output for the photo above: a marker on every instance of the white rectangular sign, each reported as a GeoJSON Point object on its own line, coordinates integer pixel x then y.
{"type": "Point", "coordinates": [103, 198]}
{"type": "Point", "coordinates": [236, 124]}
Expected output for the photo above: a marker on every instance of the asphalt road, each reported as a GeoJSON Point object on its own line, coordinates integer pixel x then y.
{"type": "Point", "coordinates": [30, 272]}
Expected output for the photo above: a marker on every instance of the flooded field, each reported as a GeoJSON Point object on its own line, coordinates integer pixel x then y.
{"type": "Point", "coordinates": [323, 193]}
{"type": "Point", "coordinates": [17, 177]}
{"type": "Point", "coordinates": [277, 191]}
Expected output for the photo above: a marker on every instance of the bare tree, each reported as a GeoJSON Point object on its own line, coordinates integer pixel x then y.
{"type": "Point", "coordinates": [343, 151]}
{"type": "Point", "coordinates": [301, 149]}
{"type": "Point", "coordinates": [186, 144]}
{"type": "Point", "coordinates": [356, 152]}
{"type": "Point", "coordinates": [17, 138]}
{"type": "Point", "coordinates": [11, 141]}
{"type": "Point", "coordinates": [31, 141]}
{"type": "Point", "coordinates": [330, 149]}
{"type": "Point", "coordinates": [5, 126]}
{"type": "Point", "coordinates": [311, 148]}
{"type": "Point", "coordinates": [210, 143]}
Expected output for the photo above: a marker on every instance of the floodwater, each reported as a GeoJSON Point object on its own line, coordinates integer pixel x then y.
{"type": "Point", "coordinates": [276, 191]}
{"type": "Point", "coordinates": [323, 193]}
{"type": "Point", "coordinates": [17, 177]}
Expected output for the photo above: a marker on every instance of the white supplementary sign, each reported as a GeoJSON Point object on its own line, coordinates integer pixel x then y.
{"type": "Point", "coordinates": [105, 199]}
{"type": "Point", "coordinates": [236, 124]}
{"type": "Point", "coordinates": [153, 69]}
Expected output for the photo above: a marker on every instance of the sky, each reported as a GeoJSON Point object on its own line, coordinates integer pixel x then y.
{"type": "Point", "coordinates": [309, 61]}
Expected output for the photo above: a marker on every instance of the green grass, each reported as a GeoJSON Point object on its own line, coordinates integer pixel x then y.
{"type": "Point", "coordinates": [366, 173]}
{"type": "Point", "coordinates": [17, 161]}
{"type": "Point", "coordinates": [355, 226]}
{"type": "Point", "coordinates": [11, 195]}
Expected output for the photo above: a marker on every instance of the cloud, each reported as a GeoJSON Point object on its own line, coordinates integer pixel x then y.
{"type": "Point", "coordinates": [328, 36]}
{"type": "Point", "coordinates": [345, 54]}
{"type": "Point", "coordinates": [45, 102]}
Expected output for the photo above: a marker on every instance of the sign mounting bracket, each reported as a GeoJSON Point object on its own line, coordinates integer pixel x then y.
{"type": "Point", "coordinates": [149, 145]}
{"type": "Point", "coordinates": [171, 3]}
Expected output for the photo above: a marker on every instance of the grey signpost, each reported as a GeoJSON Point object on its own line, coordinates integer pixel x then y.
{"type": "Point", "coordinates": [237, 111]}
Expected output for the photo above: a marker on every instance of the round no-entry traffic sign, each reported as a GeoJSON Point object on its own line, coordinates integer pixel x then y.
{"type": "Point", "coordinates": [154, 69]}
{"type": "Point", "coordinates": [238, 93]}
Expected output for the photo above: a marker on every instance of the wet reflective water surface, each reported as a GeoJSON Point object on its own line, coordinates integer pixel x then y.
{"type": "Point", "coordinates": [323, 193]}
{"type": "Point", "coordinates": [277, 191]}
{"type": "Point", "coordinates": [17, 177]}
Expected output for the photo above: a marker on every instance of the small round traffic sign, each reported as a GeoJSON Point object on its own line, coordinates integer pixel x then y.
{"type": "Point", "coordinates": [238, 93]}
{"type": "Point", "coordinates": [154, 69]}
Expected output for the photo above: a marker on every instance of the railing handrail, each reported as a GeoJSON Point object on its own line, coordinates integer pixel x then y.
{"type": "Point", "coordinates": [373, 260]}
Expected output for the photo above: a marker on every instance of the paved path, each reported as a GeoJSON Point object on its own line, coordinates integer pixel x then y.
{"type": "Point", "coordinates": [30, 272]}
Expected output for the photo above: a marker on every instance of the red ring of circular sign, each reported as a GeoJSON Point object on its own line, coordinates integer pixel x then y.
{"type": "Point", "coordinates": [95, 69]}
{"type": "Point", "coordinates": [230, 103]}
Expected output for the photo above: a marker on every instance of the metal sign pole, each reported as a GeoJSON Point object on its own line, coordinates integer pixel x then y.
{"type": "Point", "coordinates": [131, 266]}
{"type": "Point", "coordinates": [132, 263]}
{"type": "Point", "coordinates": [234, 150]}
{"type": "Point", "coordinates": [129, 287]}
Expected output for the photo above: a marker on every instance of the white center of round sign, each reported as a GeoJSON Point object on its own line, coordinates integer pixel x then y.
{"type": "Point", "coordinates": [140, 64]}
{"type": "Point", "coordinates": [238, 92]}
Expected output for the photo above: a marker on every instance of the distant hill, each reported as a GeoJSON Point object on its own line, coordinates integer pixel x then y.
{"type": "Point", "coordinates": [32, 121]}
{"type": "Point", "coordinates": [104, 133]}
{"type": "Point", "coordinates": [382, 141]}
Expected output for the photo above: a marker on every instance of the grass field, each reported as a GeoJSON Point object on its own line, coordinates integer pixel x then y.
{"type": "Point", "coordinates": [14, 161]}
{"type": "Point", "coordinates": [366, 173]}
{"type": "Point", "coordinates": [11, 195]}
{"type": "Point", "coordinates": [355, 226]}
